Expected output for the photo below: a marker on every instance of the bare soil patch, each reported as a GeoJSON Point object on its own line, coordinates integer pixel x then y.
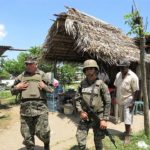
{"type": "Point", "coordinates": [8, 115]}
{"type": "Point", "coordinates": [63, 130]}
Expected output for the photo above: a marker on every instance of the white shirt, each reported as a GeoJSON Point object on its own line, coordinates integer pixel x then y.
{"type": "Point", "coordinates": [127, 86]}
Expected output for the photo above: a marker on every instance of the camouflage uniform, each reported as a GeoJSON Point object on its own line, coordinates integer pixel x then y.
{"type": "Point", "coordinates": [101, 106]}
{"type": "Point", "coordinates": [33, 110]}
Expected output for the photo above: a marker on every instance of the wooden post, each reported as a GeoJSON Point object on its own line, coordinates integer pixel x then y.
{"type": "Point", "coordinates": [55, 68]}
{"type": "Point", "coordinates": [143, 79]}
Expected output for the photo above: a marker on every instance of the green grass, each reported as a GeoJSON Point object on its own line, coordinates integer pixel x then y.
{"type": "Point", "coordinates": [7, 98]}
{"type": "Point", "coordinates": [5, 94]}
{"type": "Point", "coordinates": [135, 138]}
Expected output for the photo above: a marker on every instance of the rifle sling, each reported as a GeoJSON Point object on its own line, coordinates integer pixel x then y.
{"type": "Point", "coordinates": [92, 94]}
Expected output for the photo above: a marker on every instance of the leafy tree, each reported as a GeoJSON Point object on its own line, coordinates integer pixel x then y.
{"type": "Point", "coordinates": [37, 52]}
{"type": "Point", "coordinates": [4, 74]}
{"type": "Point", "coordinates": [15, 67]}
{"type": "Point", "coordinates": [45, 66]}
{"type": "Point", "coordinates": [67, 73]}
{"type": "Point", "coordinates": [133, 21]}
{"type": "Point", "coordinates": [129, 20]}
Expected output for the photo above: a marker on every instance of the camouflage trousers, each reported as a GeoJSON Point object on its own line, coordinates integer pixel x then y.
{"type": "Point", "coordinates": [82, 133]}
{"type": "Point", "coordinates": [31, 126]}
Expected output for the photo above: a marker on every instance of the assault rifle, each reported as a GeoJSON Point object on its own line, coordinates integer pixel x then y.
{"type": "Point", "coordinates": [96, 119]}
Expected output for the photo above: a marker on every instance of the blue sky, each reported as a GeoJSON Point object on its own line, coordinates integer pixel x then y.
{"type": "Point", "coordinates": [25, 23]}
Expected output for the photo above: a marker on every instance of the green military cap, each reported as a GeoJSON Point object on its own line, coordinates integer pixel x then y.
{"type": "Point", "coordinates": [31, 59]}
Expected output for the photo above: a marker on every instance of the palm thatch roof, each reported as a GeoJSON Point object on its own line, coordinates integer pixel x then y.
{"type": "Point", "coordinates": [76, 36]}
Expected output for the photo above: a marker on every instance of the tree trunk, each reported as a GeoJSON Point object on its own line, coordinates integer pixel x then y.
{"type": "Point", "coordinates": [143, 79]}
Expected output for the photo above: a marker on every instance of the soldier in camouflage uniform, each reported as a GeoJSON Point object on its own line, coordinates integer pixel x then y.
{"type": "Point", "coordinates": [100, 103]}
{"type": "Point", "coordinates": [32, 87]}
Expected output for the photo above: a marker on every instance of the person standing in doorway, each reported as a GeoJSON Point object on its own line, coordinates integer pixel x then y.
{"type": "Point", "coordinates": [32, 86]}
{"type": "Point", "coordinates": [127, 85]}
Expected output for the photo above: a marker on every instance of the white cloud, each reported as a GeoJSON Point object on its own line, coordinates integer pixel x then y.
{"type": "Point", "coordinates": [2, 31]}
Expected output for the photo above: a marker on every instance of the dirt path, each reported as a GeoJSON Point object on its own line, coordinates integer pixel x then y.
{"type": "Point", "coordinates": [63, 130]}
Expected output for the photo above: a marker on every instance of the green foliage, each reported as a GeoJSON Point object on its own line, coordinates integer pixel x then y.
{"type": "Point", "coordinates": [131, 22]}
{"type": "Point", "coordinates": [134, 21]}
{"type": "Point", "coordinates": [35, 51]}
{"type": "Point", "coordinates": [21, 57]}
{"type": "Point", "coordinates": [67, 73]}
{"type": "Point", "coordinates": [4, 74]}
{"type": "Point", "coordinates": [15, 67]}
{"type": "Point", "coordinates": [132, 146]}
{"type": "Point", "coordinates": [46, 67]}
{"type": "Point", "coordinates": [5, 94]}
{"type": "Point", "coordinates": [120, 146]}
{"type": "Point", "coordinates": [7, 98]}
{"type": "Point", "coordinates": [73, 86]}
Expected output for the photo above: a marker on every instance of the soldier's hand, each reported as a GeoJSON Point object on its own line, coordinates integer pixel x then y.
{"type": "Point", "coordinates": [22, 86]}
{"type": "Point", "coordinates": [103, 124]}
{"type": "Point", "coordinates": [84, 115]}
{"type": "Point", "coordinates": [42, 85]}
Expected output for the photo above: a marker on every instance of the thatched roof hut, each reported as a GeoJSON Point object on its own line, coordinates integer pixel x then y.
{"type": "Point", "coordinates": [76, 36]}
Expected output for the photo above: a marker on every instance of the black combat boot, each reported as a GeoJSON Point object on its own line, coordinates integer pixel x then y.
{"type": "Point", "coordinates": [46, 146]}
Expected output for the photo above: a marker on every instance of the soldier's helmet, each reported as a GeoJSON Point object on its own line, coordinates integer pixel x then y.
{"type": "Point", "coordinates": [124, 63]}
{"type": "Point", "coordinates": [30, 59]}
{"type": "Point", "coordinates": [90, 63]}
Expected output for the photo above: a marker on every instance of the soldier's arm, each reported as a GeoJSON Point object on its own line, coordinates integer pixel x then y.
{"type": "Point", "coordinates": [18, 85]}
{"type": "Point", "coordinates": [78, 100]}
{"type": "Point", "coordinates": [78, 105]}
{"type": "Point", "coordinates": [45, 87]}
{"type": "Point", "coordinates": [45, 84]}
{"type": "Point", "coordinates": [14, 90]}
{"type": "Point", "coordinates": [106, 100]}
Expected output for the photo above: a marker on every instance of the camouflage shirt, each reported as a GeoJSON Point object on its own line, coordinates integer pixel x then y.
{"type": "Point", "coordinates": [101, 98]}
{"type": "Point", "coordinates": [31, 107]}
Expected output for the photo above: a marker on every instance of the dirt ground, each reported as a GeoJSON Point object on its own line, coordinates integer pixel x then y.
{"type": "Point", "coordinates": [63, 130]}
